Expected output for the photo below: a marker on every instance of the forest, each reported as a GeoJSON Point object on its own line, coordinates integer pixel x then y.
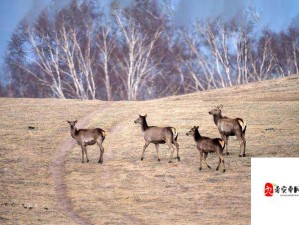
{"type": "Point", "coordinates": [139, 52]}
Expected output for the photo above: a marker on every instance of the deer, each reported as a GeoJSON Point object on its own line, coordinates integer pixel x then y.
{"type": "Point", "coordinates": [86, 137]}
{"type": "Point", "coordinates": [158, 135]}
{"type": "Point", "coordinates": [205, 145]}
{"type": "Point", "coordinates": [230, 127]}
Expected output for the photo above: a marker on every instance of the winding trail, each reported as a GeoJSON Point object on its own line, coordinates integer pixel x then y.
{"type": "Point", "coordinates": [58, 171]}
{"type": "Point", "coordinates": [57, 168]}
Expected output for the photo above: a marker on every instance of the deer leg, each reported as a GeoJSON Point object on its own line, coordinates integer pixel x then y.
{"type": "Point", "coordinates": [100, 144]}
{"type": "Point", "coordinates": [157, 149]}
{"type": "Point", "coordinates": [101, 155]}
{"type": "Point", "coordinates": [204, 159]}
{"type": "Point", "coordinates": [82, 147]}
{"type": "Point", "coordinates": [225, 139]}
{"type": "Point", "coordinates": [217, 168]}
{"type": "Point", "coordinates": [144, 147]}
{"type": "Point", "coordinates": [242, 145]}
{"type": "Point", "coordinates": [177, 150]}
{"type": "Point", "coordinates": [200, 160]}
{"type": "Point", "coordinates": [222, 159]}
{"type": "Point", "coordinates": [171, 151]}
{"type": "Point", "coordinates": [87, 159]}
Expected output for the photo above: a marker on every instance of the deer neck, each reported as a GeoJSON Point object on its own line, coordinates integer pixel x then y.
{"type": "Point", "coordinates": [217, 118]}
{"type": "Point", "coordinates": [144, 125]}
{"type": "Point", "coordinates": [73, 131]}
{"type": "Point", "coordinates": [197, 135]}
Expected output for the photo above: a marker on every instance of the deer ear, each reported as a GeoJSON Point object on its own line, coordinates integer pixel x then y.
{"type": "Point", "coordinates": [220, 106]}
{"type": "Point", "coordinates": [75, 121]}
{"type": "Point", "coordinates": [68, 121]}
{"type": "Point", "coordinates": [197, 127]}
{"type": "Point", "coordinates": [145, 115]}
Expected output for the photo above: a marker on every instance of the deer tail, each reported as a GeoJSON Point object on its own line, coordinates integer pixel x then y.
{"type": "Point", "coordinates": [103, 134]}
{"type": "Point", "coordinates": [243, 125]}
{"type": "Point", "coordinates": [222, 143]}
{"type": "Point", "coordinates": [175, 133]}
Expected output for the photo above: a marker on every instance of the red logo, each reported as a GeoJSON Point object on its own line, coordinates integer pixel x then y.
{"type": "Point", "coordinates": [269, 190]}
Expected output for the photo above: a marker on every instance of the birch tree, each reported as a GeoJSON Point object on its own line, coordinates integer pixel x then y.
{"type": "Point", "coordinates": [241, 43]}
{"type": "Point", "coordinates": [63, 53]}
{"type": "Point", "coordinates": [106, 44]}
{"type": "Point", "coordinates": [262, 61]}
{"type": "Point", "coordinates": [137, 61]}
{"type": "Point", "coordinates": [217, 39]}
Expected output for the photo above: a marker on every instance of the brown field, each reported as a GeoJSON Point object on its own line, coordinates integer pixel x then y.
{"type": "Point", "coordinates": [42, 179]}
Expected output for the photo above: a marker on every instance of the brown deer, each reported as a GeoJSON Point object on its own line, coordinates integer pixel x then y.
{"type": "Point", "coordinates": [158, 135]}
{"type": "Point", "coordinates": [230, 127]}
{"type": "Point", "coordinates": [206, 145]}
{"type": "Point", "coordinates": [86, 137]}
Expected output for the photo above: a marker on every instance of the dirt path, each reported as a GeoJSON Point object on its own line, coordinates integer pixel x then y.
{"type": "Point", "coordinates": [57, 169]}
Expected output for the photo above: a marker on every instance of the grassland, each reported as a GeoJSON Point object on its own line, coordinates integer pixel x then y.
{"type": "Point", "coordinates": [124, 190]}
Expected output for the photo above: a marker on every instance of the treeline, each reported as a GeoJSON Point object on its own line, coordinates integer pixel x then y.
{"type": "Point", "coordinates": [138, 52]}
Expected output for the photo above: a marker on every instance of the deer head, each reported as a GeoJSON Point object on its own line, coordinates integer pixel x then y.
{"type": "Point", "coordinates": [72, 123]}
{"type": "Point", "coordinates": [192, 131]}
{"type": "Point", "coordinates": [140, 119]}
{"type": "Point", "coordinates": [216, 110]}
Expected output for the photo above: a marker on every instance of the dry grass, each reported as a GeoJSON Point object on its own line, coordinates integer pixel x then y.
{"type": "Point", "coordinates": [25, 157]}
{"type": "Point", "coordinates": [125, 190]}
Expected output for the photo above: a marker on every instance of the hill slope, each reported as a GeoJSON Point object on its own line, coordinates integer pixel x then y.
{"type": "Point", "coordinates": [125, 190]}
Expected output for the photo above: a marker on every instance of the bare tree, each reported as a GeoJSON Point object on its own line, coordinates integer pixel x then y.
{"type": "Point", "coordinates": [216, 36]}
{"type": "Point", "coordinates": [106, 44]}
{"type": "Point", "coordinates": [78, 61]}
{"type": "Point", "coordinates": [241, 43]}
{"type": "Point", "coordinates": [137, 61]}
{"type": "Point", "coordinates": [63, 54]}
{"type": "Point", "coordinates": [49, 65]}
{"type": "Point", "coordinates": [294, 39]}
{"type": "Point", "coordinates": [201, 84]}
{"type": "Point", "coordinates": [138, 52]}
{"type": "Point", "coordinates": [262, 61]}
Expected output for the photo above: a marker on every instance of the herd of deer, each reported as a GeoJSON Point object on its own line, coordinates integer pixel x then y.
{"type": "Point", "coordinates": [161, 135]}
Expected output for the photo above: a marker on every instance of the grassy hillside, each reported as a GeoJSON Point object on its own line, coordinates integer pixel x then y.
{"type": "Point", "coordinates": [124, 190]}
